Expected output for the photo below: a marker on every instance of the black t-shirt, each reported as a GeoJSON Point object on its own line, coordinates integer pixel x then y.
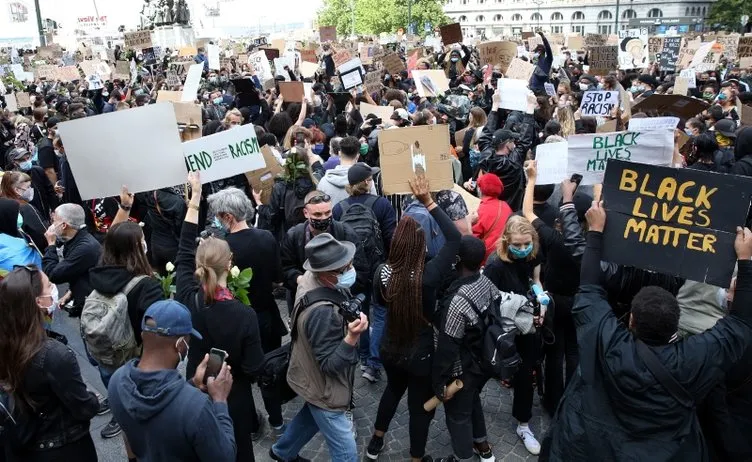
{"type": "Point", "coordinates": [257, 249]}
{"type": "Point", "coordinates": [47, 157]}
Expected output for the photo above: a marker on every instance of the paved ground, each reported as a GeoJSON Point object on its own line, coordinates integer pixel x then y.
{"type": "Point", "coordinates": [497, 404]}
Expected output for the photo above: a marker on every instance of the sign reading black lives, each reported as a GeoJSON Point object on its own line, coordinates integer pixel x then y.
{"type": "Point", "coordinates": [674, 221]}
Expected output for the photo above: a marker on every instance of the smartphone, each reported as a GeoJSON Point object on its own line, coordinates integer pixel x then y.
{"type": "Point", "coordinates": [375, 121]}
{"type": "Point", "coordinates": [216, 359]}
{"type": "Point", "coordinates": [576, 178]}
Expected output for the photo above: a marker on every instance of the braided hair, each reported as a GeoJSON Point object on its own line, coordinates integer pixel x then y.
{"type": "Point", "coordinates": [404, 291]}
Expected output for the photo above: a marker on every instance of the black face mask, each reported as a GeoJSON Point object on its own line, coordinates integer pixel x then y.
{"type": "Point", "coordinates": [321, 225]}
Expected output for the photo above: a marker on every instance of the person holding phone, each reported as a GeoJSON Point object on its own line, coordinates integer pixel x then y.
{"type": "Point", "coordinates": [165, 417]}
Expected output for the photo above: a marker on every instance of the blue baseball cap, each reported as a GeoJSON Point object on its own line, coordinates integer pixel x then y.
{"type": "Point", "coordinates": [172, 319]}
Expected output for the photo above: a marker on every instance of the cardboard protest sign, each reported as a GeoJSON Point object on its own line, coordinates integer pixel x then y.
{"type": "Point", "coordinates": [187, 52]}
{"type": "Point", "coordinates": [224, 154]}
{"type": "Point", "coordinates": [292, 91]}
{"type": "Point", "coordinates": [646, 124]}
{"type": "Point", "coordinates": [172, 79]}
{"type": "Point", "coordinates": [451, 33]}
{"type": "Point", "coordinates": [404, 149]}
{"type": "Point", "coordinates": [168, 96]}
{"type": "Point", "coordinates": [309, 56]}
{"type": "Point", "coordinates": [687, 52]}
{"type": "Point", "coordinates": [575, 42]}
{"type": "Point", "coordinates": [681, 86]}
{"type": "Point", "coordinates": [365, 53]}
{"type": "Point", "coordinates": [500, 53]}
{"type": "Point", "coordinates": [430, 83]}
{"type": "Point", "coordinates": [138, 40]}
{"type": "Point", "coordinates": [706, 58]}
{"type": "Point", "coordinates": [67, 73]}
{"type": "Point", "coordinates": [520, 70]}
{"type": "Point", "coordinates": [151, 160]}
{"type": "Point", "coordinates": [607, 126]}
{"type": "Point", "coordinates": [691, 76]}
{"type": "Point", "coordinates": [669, 53]}
{"type": "Point", "coordinates": [678, 105]}
{"type": "Point", "coordinates": [382, 112]}
{"type": "Point", "coordinates": [393, 63]}
{"type": "Point", "coordinates": [729, 44]}
{"type": "Point", "coordinates": [595, 40]}
{"type": "Point", "coordinates": [308, 70]}
{"type": "Point", "coordinates": [674, 221]}
{"type": "Point", "coordinates": [122, 70]}
{"type": "Point", "coordinates": [372, 82]}
{"type": "Point", "coordinates": [589, 154]}
{"type": "Point", "coordinates": [23, 100]}
{"type": "Point", "coordinates": [533, 42]}
{"type": "Point", "coordinates": [552, 162]}
{"type": "Point", "coordinates": [744, 51]}
{"type": "Point", "coordinates": [599, 103]}
{"type": "Point", "coordinates": [188, 114]}
{"type": "Point", "coordinates": [260, 64]}
{"type": "Point", "coordinates": [341, 57]}
{"type": "Point", "coordinates": [655, 45]}
{"type": "Point", "coordinates": [327, 34]}
{"type": "Point", "coordinates": [47, 72]}
{"type": "Point", "coordinates": [262, 179]}
{"type": "Point", "coordinates": [633, 49]}
{"type": "Point", "coordinates": [603, 59]}
{"type": "Point", "coordinates": [11, 104]}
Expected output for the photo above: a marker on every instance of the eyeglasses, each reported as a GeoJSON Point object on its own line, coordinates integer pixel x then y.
{"type": "Point", "coordinates": [320, 199]}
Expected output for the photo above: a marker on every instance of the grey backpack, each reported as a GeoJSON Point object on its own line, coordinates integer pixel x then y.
{"type": "Point", "coordinates": [106, 327]}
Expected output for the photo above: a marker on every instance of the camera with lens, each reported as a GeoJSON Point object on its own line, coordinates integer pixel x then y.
{"type": "Point", "coordinates": [350, 309]}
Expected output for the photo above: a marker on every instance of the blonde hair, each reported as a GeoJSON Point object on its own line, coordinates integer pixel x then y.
{"type": "Point", "coordinates": [232, 112]}
{"type": "Point", "coordinates": [565, 117]}
{"type": "Point", "coordinates": [21, 120]}
{"type": "Point", "coordinates": [213, 256]}
{"type": "Point", "coordinates": [516, 225]}
{"type": "Point", "coordinates": [358, 189]}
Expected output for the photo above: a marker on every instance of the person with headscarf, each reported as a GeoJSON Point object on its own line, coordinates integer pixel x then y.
{"type": "Point", "coordinates": [15, 249]}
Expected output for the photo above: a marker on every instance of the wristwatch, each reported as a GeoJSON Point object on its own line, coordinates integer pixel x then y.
{"type": "Point", "coordinates": [126, 208]}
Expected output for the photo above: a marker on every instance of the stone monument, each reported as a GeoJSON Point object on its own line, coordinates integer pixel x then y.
{"type": "Point", "coordinates": [169, 21]}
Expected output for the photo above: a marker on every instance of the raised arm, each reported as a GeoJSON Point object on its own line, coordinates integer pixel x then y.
{"type": "Point", "coordinates": [185, 263]}
{"type": "Point", "coordinates": [590, 273]}
{"type": "Point", "coordinates": [531, 168]}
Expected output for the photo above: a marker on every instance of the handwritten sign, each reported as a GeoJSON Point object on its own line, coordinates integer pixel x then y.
{"type": "Point", "coordinates": [603, 59]}
{"type": "Point", "coordinates": [669, 54]}
{"type": "Point", "coordinates": [393, 63]}
{"type": "Point", "coordinates": [744, 52]}
{"type": "Point", "coordinates": [138, 40]}
{"type": "Point", "coordinates": [327, 34]}
{"type": "Point", "coordinates": [645, 124]}
{"type": "Point", "coordinates": [674, 221]}
{"type": "Point", "coordinates": [501, 53]}
{"type": "Point", "coordinates": [341, 57]}
{"type": "Point", "coordinates": [633, 49]}
{"type": "Point", "coordinates": [520, 70]}
{"type": "Point", "coordinates": [599, 103]}
{"type": "Point", "coordinates": [224, 154]}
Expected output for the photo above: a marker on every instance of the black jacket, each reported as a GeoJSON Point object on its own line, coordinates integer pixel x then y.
{"type": "Point", "coordinates": [563, 252]}
{"type": "Point", "coordinates": [614, 408]}
{"type": "Point", "coordinates": [80, 254]}
{"type": "Point", "coordinates": [45, 199]}
{"type": "Point", "coordinates": [293, 255]}
{"type": "Point", "coordinates": [109, 280]}
{"type": "Point", "coordinates": [63, 407]}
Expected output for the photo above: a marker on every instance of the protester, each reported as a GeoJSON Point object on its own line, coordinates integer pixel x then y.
{"type": "Point", "coordinates": [17, 186]}
{"type": "Point", "coordinates": [335, 180]}
{"type": "Point", "coordinates": [492, 213]}
{"type": "Point", "coordinates": [165, 417]}
{"type": "Point", "coordinates": [15, 248]}
{"type": "Point", "coordinates": [44, 199]}
{"type": "Point", "coordinates": [53, 408]}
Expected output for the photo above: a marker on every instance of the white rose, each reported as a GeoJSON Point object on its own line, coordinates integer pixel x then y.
{"type": "Point", "coordinates": [235, 271]}
{"type": "Point", "coordinates": [170, 267]}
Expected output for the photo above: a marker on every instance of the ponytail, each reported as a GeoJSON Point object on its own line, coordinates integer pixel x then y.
{"type": "Point", "coordinates": [212, 259]}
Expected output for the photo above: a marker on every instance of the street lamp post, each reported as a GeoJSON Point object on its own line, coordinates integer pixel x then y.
{"type": "Point", "coordinates": [42, 41]}
{"type": "Point", "coordinates": [538, 3]}
{"type": "Point", "coordinates": [616, 25]}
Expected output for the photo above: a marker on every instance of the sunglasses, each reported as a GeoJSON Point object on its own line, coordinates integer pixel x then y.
{"type": "Point", "coordinates": [320, 199]}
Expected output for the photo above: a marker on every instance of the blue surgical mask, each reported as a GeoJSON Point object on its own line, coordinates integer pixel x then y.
{"type": "Point", "coordinates": [218, 100]}
{"type": "Point", "coordinates": [688, 132]}
{"type": "Point", "coordinates": [218, 224]}
{"type": "Point", "coordinates": [19, 221]}
{"type": "Point", "coordinates": [25, 166]}
{"type": "Point", "coordinates": [318, 148]}
{"type": "Point", "coordinates": [346, 279]}
{"type": "Point", "coordinates": [521, 253]}
{"type": "Point", "coordinates": [721, 97]}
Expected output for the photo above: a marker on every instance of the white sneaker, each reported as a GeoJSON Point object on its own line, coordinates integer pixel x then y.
{"type": "Point", "coordinates": [527, 437]}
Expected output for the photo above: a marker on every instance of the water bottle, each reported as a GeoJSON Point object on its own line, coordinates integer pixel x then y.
{"type": "Point", "coordinates": [542, 296]}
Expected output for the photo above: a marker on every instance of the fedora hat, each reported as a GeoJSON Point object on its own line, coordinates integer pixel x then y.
{"type": "Point", "coordinates": [325, 253]}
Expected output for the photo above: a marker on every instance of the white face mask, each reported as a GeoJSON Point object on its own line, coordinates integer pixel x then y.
{"type": "Point", "coordinates": [584, 86]}
{"type": "Point", "coordinates": [146, 247]}
{"type": "Point", "coordinates": [28, 195]}
{"type": "Point", "coordinates": [55, 296]}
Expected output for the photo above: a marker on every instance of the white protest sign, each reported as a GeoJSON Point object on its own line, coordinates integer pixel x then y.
{"type": "Point", "coordinates": [382, 112]}
{"type": "Point", "coordinates": [308, 70]}
{"type": "Point", "coordinates": [192, 82]}
{"type": "Point", "coordinates": [149, 161]}
{"type": "Point", "coordinates": [513, 94]}
{"type": "Point", "coordinates": [599, 103]}
{"type": "Point", "coordinates": [589, 154]}
{"type": "Point", "coordinates": [261, 66]}
{"type": "Point", "coordinates": [281, 63]}
{"type": "Point", "coordinates": [212, 53]}
{"type": "Point", "coordinates": [646, 124]}
{"type": "Point", "coordinates": [10, 101]}
{"type": "Point", "coordinates": [552, 162]}
{"type": "Point", "coordinates": [224, 154]}
{"type": "Point", "coordinates": [691, 77]}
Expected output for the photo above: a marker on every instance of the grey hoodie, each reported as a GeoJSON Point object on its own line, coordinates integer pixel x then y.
{"type": "Point", "coordinates": [334, 182]}
{"type": "Point", "coordinates": [166, 419]}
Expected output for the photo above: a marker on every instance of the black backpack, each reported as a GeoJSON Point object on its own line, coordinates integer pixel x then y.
{"type": "Point", "coordinates": [273, 375]}
{"type": "Point", "coordinates": [362, 219]}
{"type": "Point", "coordinates": [294, 201]}
{"type": "Point", "coordinates": [495, 352]}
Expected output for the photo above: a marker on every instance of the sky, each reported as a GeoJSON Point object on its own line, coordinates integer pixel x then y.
{"type": "Point", "coordinates": [234, 12]}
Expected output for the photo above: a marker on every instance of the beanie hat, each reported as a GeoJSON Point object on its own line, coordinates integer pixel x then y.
{"type": "Point", "coordinates": [490, 185]}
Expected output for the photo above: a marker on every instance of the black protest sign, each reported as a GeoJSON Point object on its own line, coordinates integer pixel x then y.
{"type": "Point", "coordinates": [150, 56]}
{"type": "Point", "coordinates": [669, 55]}
{"type": "Point", "coordinates": [674, 221]}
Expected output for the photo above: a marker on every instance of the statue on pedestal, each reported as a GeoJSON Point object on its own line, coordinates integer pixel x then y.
{"type": "Point", "coordinates": [156, 13]}
{"type": "Point", "coordinates": [182, 15]}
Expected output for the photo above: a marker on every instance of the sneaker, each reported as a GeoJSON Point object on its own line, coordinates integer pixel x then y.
{"type": "Point", "coordinates": [375, 446]}
{"type": "Point", "coordinates": [363, 366]}
{"type": "Point", "coordinates": [104, 407]}
{"type": "Point", "coordinates": [527, 437]}
{"type": "Point", "coordinates": [279, 431]}
{"type": "Point", "coordinates": [349, 416]}
{"type": "Point", "coordinates": [111, 430]}
{"type": "Point", "coordinates": [260, 433]}
{"type": "Point", "coordinates": [371, 374]}
{"type": "Point", "coordinates": [484, 452]}
{"type": "Point", "coordinates": [276, 457]}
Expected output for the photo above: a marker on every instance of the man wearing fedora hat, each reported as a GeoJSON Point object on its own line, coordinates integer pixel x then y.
{"type": "Point", "coordinates": [324, 352]}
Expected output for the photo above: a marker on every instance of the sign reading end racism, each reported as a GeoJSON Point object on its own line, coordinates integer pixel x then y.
{"type": "Point", "coordinates": [674, 221]}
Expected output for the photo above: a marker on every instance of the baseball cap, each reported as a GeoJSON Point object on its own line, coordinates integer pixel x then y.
{"type": "Point", "coordinates": [400, 114]}
{"type": "Point", "coordinates": [52, 122]}
{"type": "Point", "coordinates": [503, 135]}
{"type": "Point", "coordinates": [18, 153]}
{"type": "Point", "coordinates": [726, 127]}
{"type": "Point", "coordinates": [170, 319]}
{"type": "Point", "coordinates": [360, 172]}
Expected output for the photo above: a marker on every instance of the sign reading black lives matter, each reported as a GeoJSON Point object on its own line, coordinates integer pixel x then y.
{"type": "Point", "coordinates": [674, 221]}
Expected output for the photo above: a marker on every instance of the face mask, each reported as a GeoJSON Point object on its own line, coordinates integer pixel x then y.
{"type": "Point", "coordinates": [347, 279]}
{"type": "Point", "coordinates": [19, 221]}
{"type": "Point", "coordinates": [187, 350]}
{"type": "Point", "coordinates": [521, 253]}
{"type": "Point", "coordinates": [363, 149]}
{"type": "Point", "coordinates": [318, 148]}
{"type": "Point", "coordinates": [28, 195]}
{"type": "Point", "coordinates": [584, 86]}
{"type": "Point", "coordinates": [600, 86]}
{"type": "Point", "coordinates": [105, 94]}
{"type": "Point", "coordinates": [212, 80]}
{"type": "Point", "coordinates": [708, 96]}
{"type": "Point", "coordinates": [454, 60]}
{"type": "Point", "coordinates": [688, 132]}
{"type": "Point", "coordinates": [138, 92]}
{"type": "Point", "coordinates": [641, 88]}
{"type": "Point", "coordinates": [145, 247]}
{"type": "Point", "coordinates": [25, 166]}
{"type": "Point", "coordinates": [321, 225]}
{"type": "Point", "coordinates": [722, 97]}
{"type": "Point", "coordinates": [217, 100]}
{"type": "Point", "coordinates": [633, 89]}
{"type": "Point", "coordinates": [49, 311]}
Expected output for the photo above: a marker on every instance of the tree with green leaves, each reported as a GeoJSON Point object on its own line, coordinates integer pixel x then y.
{"type": "Point", "coordinates": [377, 16]}
{"type": "Point", "coordinates": [727, 14]}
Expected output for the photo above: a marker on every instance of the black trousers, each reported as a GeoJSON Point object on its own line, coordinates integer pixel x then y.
{"type": "Point", "coordinates": [399, 380]}
{"type": "Point", "coordinates": [79, 451]}
{"type": "Point", "coordinates": [528, 346]}
{"type": "Point", "coordinates": [464, 416]}
{"type": "Point", "coordinates": [562, 355]}
{"type": "Point", "coordinates": [270, 340]}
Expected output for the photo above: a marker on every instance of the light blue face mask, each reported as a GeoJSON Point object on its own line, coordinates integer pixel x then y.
{"type": "Point", "coordinates": [346, 279]}
{"type": "Point", "coordinates": [19, 221]}
{"type": "Point", "coordinates": [25, 166]}
{"type": "Point", "coordinates": [521, 253]}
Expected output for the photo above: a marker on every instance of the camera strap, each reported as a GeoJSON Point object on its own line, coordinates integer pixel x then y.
{"type": "Point", "coordinates": [312, 297]}
{"type": "Point", "coordinates": [665, 377]}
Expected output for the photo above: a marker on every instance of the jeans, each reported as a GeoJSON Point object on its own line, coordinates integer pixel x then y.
{"type": "Point", "coordinates": [335, 427]}
{"type": "Point", "coordinates": [464, 416]}
{"type": "Point", "coordinates": [377, 325]}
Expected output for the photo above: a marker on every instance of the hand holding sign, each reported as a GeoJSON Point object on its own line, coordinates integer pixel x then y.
{"type": "Point", "coordinates": [531, 170]}
{"type": "Point", "coordinates": [743, 243]}
{"type": "Point", "coordinates": [596, 217]}
{"type": "Point", "coordinates": [420, 188]}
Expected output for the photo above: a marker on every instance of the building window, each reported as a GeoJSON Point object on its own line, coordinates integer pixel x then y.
{"type": "Point", "coordinates": [479, 18]}
{"type": "Point", "coordinates": [498, 18]}
{"type": "Point", "coordinates": [628, 14]}
{"type": "Point", "coordinates": [536, 17]}
{"type": "Point", "coordinates": [557, 29]}
{"type": "Point", "coordinates": [18, 12]}
{"type": "Point", "coordinates": [464, 2]}
{"type": "Point", "coordinates": [655, 13]}
{"type": "Point", "coordinates": [517, 17]}
{"type": "Point", "coordinates": [703, 11]}
{"type": "Point", "coordinates": [578, 29]}
{"type": "Point", "coordinates": [604, 29]}
{"type": "Point", "coordinates": [605, 14]}
{"type": "Point", "coordinates": [463, 18]}
{"type": "Point", "coordinates": [578, 16]}
{"type": "Point", "coordinates": [557, 17]}
{"type": "Point", "coordinates": [481, 1]}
